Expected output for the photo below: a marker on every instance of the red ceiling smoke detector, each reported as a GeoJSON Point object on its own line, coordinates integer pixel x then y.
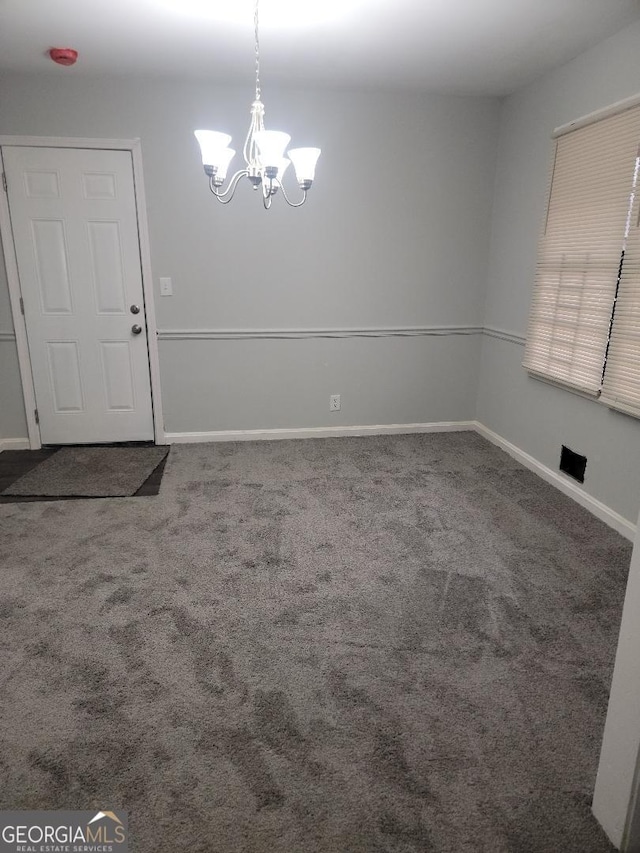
{"type": "Point", "coordinates": [63, 55]}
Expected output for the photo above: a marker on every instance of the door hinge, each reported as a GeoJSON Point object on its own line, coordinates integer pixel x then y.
{"type": "Point", "coordinates": [4, 182]}
{"type": "Point", "coordinates": [35, 412]}
{"type": "Point", "coordinates": [22, 306]}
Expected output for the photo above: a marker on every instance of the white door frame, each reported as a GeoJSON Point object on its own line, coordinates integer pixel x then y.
{"type": "Point", "coordinates": [11, 263]}
{"type": "Point", "coordinates": [616, 800]}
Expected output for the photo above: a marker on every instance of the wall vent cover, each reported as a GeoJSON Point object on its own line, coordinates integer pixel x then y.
{"type": "Point", "coordinates": [573, 464]}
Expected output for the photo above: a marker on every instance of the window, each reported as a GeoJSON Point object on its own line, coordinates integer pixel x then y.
{"type": "Point", "coordinates": [584, 326]}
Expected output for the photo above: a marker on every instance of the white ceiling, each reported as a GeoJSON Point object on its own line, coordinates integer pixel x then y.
{"type": "Point", "coordinates": [465, 46]}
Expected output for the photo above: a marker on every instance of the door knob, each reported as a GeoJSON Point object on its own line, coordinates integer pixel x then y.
{"type": "Point", "coordinates": [135, 309]}
{"type": "Point", "coordinates": [136, 329]}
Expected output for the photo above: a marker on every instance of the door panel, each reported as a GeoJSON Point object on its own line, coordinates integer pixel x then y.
{"type": "Point", "coordinates": [73, 214]}
{"type": "Point", "coordinates": [99, 185]}
{"type": "Point", "coordinates": [64, 375]}
{"type": "Point", "coordinates": [117, 372]}
{"type": "Point", "coordinates": [52, 267]}
{"type": "Point", "coordinates": [106, 267]}
{"type": "Point", "coordinates": [42, 184]}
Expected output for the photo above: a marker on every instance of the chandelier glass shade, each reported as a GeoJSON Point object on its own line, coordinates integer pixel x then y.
{"type": "Point", "coordinates": [265, 154]}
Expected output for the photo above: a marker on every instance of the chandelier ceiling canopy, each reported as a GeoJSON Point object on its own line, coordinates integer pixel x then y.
{"type": "Point", "coordinates": [264, 153]}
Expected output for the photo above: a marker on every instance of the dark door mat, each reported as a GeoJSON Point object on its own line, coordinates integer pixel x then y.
{"type": "Point", "coordinates": [15, 465]}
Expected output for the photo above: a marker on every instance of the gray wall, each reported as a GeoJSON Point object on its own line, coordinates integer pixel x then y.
{"type": "Point", "coordinates": [395, 233]}
{"type": "Point", "coordinates": [537, 417]}
{"type": "Point", "coordinates": [12, 419]}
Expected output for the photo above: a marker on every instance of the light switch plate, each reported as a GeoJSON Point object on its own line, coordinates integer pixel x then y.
{"type": "Point", "coordinates": [166, 287]}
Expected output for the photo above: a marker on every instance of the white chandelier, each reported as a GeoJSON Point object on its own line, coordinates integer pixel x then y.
{"type": "Point", "coordinates": [264, 154]}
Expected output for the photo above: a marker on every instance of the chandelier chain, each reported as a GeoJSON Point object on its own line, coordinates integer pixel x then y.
{"type": "Point", "coordinates": [257, 48]}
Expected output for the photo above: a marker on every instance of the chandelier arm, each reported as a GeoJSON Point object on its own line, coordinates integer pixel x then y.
{"type": "Point", "coordinates": [246, 151]}
{"type": "Point", "coordinates": [293, 203]}
{"type": "Point", "coordinates": [250, 151]}
{"type": "Point", "coordinates": [269, 190]}
{"type": "Point", "coordinates": [266, 201]}
{"type": "Point", "coordinates": [226, 196]}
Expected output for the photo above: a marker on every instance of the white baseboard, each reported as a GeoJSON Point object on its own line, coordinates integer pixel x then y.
{"type": "Point", "coordinates": [602, 511]}
{"type": "Point", "coordinates": [14, 444]}
{"type": "Point", "coordinates": [568, 487]}
{"type": "Point", "coordinates": [314, 432]}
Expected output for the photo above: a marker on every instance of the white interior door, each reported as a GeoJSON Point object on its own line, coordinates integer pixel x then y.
{"type": "Point", "coordinates": [73, 215]}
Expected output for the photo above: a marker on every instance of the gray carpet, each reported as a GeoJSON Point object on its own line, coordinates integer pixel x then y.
{"type": "Point", "coordinates": [90, 472]}
{"type": "Point", "coordinates": [372, 645]}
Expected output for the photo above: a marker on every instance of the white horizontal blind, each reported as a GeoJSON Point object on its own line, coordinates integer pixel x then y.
{"type": "Point", "coordinates": [580, 250]}
{"type": "Point", "coordinates": [621, 387]}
